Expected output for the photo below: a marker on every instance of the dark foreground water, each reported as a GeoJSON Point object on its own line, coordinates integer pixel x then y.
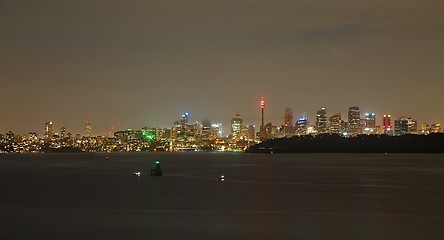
{"type": "Point", "coordinates": [298, 196]}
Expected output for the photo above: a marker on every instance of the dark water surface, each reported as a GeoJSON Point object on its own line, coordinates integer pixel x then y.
{"type": "Point", "coordinates": [295, 196]}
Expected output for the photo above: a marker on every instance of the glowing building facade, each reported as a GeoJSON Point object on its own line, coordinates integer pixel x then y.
{"type": "Point", "coordinates": [321, 120]}
{"type": "Point", "coordinates": [354, 120]}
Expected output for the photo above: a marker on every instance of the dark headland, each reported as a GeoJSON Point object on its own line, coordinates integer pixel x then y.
{"type": "Point", "coordinates": [333, 143]}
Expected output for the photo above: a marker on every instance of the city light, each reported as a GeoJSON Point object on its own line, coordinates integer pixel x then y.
{"type": "Point", "coordinates": [186, 135]}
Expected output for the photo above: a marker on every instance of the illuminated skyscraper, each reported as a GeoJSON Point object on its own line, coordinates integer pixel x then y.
{"type": "Point", "coordinates": [288, 122]}
{"type": "Point", "coordinates": [370, 120]}
{"type": "Point", "coordinates": [251, 132]}
{"type": "Point", "coordinates": [412, 125]}
{"type": "Point", "coordinates": [354, 120]}
{"type": "Point", "coordinates": [321, 120]}
{"type": "Point", "coordinates": [217, 130]}
{"type": "Point", "coordinates": [236, 125]}
{"type": "Point", "coordinates": [88, 128]}
{"type": "Point", "coordinates": [387, 124]}
{"type": "Point", "coordinates": [48, 130]}
{"type": "Point", "coordinates": [206, 129]}
{"type": "Point", "coordinates": [369, 125]}
{"type": "Point", "coordinates": [401, 127]}
{"type": "Point", "coordinates": [335, 123]}
{"type": "Point", "coordinates": [302, 125]}
{"type": "Point", "coordinates": [184, 119]}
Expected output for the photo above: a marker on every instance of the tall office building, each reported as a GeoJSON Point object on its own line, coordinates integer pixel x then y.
{"type": "Point", "coordinates": [412, 125]}
{"type": "Point", "coordinates": [251, 132]}
{"type": "Point", "coordinates": [236, 125]}
{"type": "Point", "coordinates": [401, 127]}
{"type": "Point", "coordinates": [217, 130]}
{"type": "Point", "coordinates": [321, 120]}
{"type": "Point", "coordinates": [302, 125]}
{"type": "Point", "coordinates": [183, 123]}
{"type": "Point", "coordinates": [206, 129]}
{"type": "Point", "coordinates": [335, 123]}
{"type": "Point", "coordinates": [354, 120]}
{"type": "Point", "coordinates": [48, 130]}
{"type": "Point", "coordinates": [288, 122]}
{"type": "Point", "coordinates": [369, 125]}
{"type": "Point", "coordinates": [88, 129]}
{"type": "Point", "coordinates": [387, 124]}
{"type": "Point", "coordinates": [184, 119]}
{"type": "Point", "coordinates": [370, 120]}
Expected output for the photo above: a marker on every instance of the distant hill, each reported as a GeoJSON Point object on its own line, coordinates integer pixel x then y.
{"type": "Point", "coordinates": [333, 143]}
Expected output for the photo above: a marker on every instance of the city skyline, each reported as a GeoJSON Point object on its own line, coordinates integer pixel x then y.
{"type": "Point", "coordinates": [89, 125]}
{"type": "Point", "coordinates": [130, 64]}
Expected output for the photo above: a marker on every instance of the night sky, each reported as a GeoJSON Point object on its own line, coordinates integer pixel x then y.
{"type": "Point", "coordinates": [135, 63]}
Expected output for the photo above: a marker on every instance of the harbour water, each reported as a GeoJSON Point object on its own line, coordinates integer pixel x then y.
{"type": "Point", "coordinates": [288, 196]}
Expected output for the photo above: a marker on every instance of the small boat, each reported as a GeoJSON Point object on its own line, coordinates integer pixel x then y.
{"type": "Point", "coordinates": [156, 170]}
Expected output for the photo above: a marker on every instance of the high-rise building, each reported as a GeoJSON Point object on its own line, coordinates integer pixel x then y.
{"type": "Point", "coordinates": [217, 130]}
{"type": "Point", "coordinates": [88, 128]}
{"type": "Point", "coordinates": [354, 120]}
{"type": "Point", "coordinates": [321, 120]}
{"type": "Point", "coordinates": [302, 125]}
{"type": "Point", "coordinates": [370, 120]}
{"type": "Point", "coordinates": [370, 123]}
{"type": "Point", "coordinates": [184, 119]}
{"type": "Point", "coordinates": [335, 123]}
{"type": "Point", "coordinates": [288, 122]}
{"type": "Point", "coordinates": [401, 127]}
{"type": "Point", "coordinates": [251, 132]}
{"type": "Point", "coordinates": [236, 125]}
{"type": "Point", "coordinates": [387, 124]}
{"type": "Point", "coordinates": [206, 129]}
{"type": "Point", "coordinates": [48, 130]}
{"type": "Point", "coordinates": [412, 125]}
